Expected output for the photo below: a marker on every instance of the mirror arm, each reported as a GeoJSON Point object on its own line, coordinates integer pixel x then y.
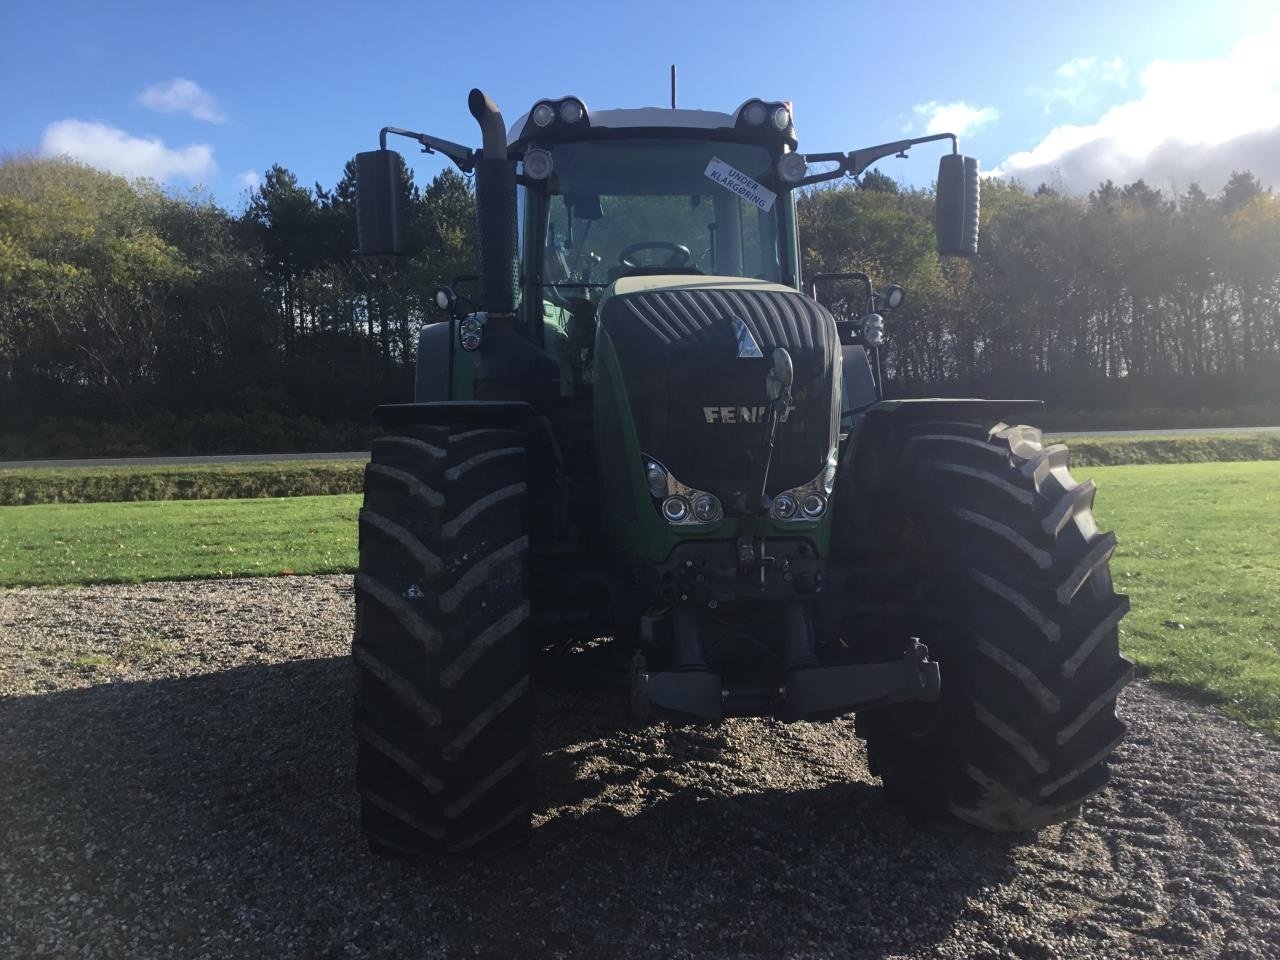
{"type": "Point", "coordinates": [854, 163]}
{"type": "Point", "coordinates": [464, 157]}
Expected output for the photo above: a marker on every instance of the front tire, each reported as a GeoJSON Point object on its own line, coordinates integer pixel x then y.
{"type": "Point", "coordinates": [442, 707]}
{"type": "Point", "coordinates": [1016, 574]}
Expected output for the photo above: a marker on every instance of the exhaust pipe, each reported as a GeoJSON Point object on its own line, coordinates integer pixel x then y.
{"type": "Point", "coordinates": [492, 130]}
{"type": "Point", "coordinates": [495, 210]}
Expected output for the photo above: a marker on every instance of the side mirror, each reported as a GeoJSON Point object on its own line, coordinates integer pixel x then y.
{"type": "Point", "coordinates": [956, 216]}
{"type": "Point", "coordinates": [378, 214]}
{"type": "Point", "coordinates": [893, 296]}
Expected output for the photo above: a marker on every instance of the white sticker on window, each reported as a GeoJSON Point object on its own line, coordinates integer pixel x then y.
{"type": "Point", "coordinates": [741, 184]}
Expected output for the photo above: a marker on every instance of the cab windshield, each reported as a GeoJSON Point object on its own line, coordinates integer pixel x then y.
{"type": "Point", "coordinates": [620, 206]}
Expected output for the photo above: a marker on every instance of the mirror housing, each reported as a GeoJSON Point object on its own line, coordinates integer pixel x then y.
{"type": "Point", "coordinates": [378, 213]}
{"type": "Point", "coordinates": [957, 206]}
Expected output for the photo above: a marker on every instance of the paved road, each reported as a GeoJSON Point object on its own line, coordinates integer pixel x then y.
{"type": "Point", "coordinates": [1182, 432]}
{"type": "Point", "coordinates": [363, 455]}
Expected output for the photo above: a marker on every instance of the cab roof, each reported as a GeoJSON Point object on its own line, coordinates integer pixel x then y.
{"type": "Point", "coordinates": [643, 117]}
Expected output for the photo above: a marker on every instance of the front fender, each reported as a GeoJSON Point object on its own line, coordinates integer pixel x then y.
{"type": "Point", "coordinates": [872, 447]}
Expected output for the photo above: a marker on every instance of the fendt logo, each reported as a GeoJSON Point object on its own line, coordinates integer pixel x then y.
{"type": "Point", "coordinates": [758, 414]}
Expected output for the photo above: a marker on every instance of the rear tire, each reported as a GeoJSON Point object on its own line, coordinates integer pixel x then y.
{"type": "Point", "coordinates": [1025, 627]}
{"type": "Point", "coordinates": [442, 706]}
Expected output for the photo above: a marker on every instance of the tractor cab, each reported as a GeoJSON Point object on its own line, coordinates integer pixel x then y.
{"type": "Point", "coordinates": [622, 193]}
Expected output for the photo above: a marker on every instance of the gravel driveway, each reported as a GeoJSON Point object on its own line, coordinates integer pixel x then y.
{"type": "Point", "coordinates": [175, 780]}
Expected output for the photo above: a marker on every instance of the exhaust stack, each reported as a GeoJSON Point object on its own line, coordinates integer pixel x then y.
{"type": "Point", "coordinates": [495, 209]}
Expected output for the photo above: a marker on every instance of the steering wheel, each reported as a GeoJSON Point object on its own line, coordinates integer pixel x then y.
{"type": "Point", "coordinates": [680, 254]}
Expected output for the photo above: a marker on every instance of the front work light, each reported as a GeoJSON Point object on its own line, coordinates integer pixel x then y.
{"type": "Point", "coordinates": [754, 113]}
{"type": "Point", "coordinates": [781, 117]}
{"type": "Point", "coordinates": [784, 506]}
{"type": "Point", "coordinates": [571, 111]}
{"type": "Point", "coordinates": [537, 163]}
{"type": "Point", "coordinates": [543, 115]}
{"type": "Point", "coordinates": [792, 167]}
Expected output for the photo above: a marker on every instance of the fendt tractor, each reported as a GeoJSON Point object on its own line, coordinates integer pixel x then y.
{"type": "Point", "coordinates": [641, 440]}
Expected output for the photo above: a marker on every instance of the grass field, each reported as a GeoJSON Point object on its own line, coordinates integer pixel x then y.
{"type": "Point", "coordinates": [61, 544]}
{"type": "Point", "coordinates": [1199, 554]}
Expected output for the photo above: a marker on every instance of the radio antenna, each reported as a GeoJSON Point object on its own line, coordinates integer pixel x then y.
{"type": "Point", "coordinates": [673, 86]}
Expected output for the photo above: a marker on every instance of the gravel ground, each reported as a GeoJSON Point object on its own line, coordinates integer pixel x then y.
{"type": "Point", "coordinates": [176, 781]}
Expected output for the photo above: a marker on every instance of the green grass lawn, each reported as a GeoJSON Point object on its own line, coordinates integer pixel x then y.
{"type": "Point", "coordinates": [69, 543]}
{"type": "Point", "coordinates": [1199, 554]}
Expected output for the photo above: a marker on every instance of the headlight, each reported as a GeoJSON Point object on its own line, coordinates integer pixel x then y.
{"type": "Point", "coordinates": [470, 331]}
{"type": "Point", "coordinates": [571, 111]}
{"type": "Point", "coordinates": [873, 329]}
{"type": "Point", "coordinates": [781, 118]}
{"type": "Point", "coordinates": [675, 509]}
{"type": "Point", "coordinates": [679, 503]}
{"type": "Point", "coordinates": [785, 506]}
{"type": "Point", "coordinates": [706, 508]}
{"type": "Point", "coordinates": [792, 167]}
{"type": "Point", "coordinates": [543, 115]}
{"type": "Point", "coordinates": [813, 505]}
{"type": "Point", "coordinates": [811, 501]}
{"type": "Point", "coordinates": [656, 478]}
{"type": "Point", "coordinates": [537, 163]}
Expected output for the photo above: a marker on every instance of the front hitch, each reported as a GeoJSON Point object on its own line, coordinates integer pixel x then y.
{"type": "Point", "coordinates": [806, 693]}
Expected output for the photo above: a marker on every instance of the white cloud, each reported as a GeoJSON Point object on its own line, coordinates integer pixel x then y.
{"type": "Point", "coordinates": [1082, 80]}
{"type": "Point", "coordinates": [183, 96]}
{"type": "Point", "coordinates": [249, 179]}
{"type": "Point", "coordinates": [958, 118]}
{"type": "Point", "coordinates": [1196, 120]}
{"type": "Point", "coordinates": [110, 148]}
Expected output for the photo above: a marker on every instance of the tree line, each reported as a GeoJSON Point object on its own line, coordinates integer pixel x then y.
{"type": "Point", "coordinates": [133, 319]}
{"type": "Point", "coordinates": [1127, 304]}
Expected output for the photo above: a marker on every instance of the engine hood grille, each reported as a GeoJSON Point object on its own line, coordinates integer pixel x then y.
{"type": "Point", "coordinates": [696, 387]}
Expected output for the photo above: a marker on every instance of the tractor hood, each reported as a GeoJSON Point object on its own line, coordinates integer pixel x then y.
{"type": "Point", "coordinates": [693, 353]}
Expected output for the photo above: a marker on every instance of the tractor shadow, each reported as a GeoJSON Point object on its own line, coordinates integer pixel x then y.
{"type": "Point", "coordinates": [222, 806]}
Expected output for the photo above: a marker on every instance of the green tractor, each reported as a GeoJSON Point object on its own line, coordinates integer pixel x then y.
{"type": "Point", "coordinates": [642, 439]}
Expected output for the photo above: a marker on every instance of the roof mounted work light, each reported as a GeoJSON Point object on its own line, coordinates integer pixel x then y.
{"type": "Point", "coordinates": [768, 118]}
{"type": "Point", "coordinates": [548, 116]}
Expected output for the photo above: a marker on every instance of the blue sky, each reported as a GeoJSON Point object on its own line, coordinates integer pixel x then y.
{"type": "Point", "coordinates": [212, 94]}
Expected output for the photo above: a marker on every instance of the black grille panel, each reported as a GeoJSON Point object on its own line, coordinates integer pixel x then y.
{"type": "Point", "coordinates": [697, 404]}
